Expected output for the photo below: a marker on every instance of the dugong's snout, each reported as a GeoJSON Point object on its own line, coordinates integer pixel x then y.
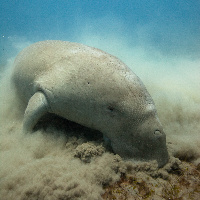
{"type": "Point", "coordinates": [143, 148]}
{"type": "Point", "coordinates": [151, 141]}
{"type": "Point", "coordinates": [154, 148]}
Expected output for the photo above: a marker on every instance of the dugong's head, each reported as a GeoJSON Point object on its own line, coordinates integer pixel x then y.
{"type": "Point", "coordinates": [135, 130]}
{"type": "Point", "coordinates": [140, 137]}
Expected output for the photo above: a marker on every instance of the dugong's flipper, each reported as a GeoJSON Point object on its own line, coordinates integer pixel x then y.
{"type": "Point", "coordinates": [37, 107]}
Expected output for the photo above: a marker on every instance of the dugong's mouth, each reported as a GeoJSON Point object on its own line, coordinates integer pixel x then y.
{"type": "Point", "coordinates": [133, 153]}
{"type": "Point", "coordinates": [163, 159]}
{"type": "Point", "coordinates": [160, 154]}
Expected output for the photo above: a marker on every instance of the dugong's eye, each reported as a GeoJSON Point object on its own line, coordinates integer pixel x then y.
{"type": "Point", "coordinates": [157, 133]}
{"type": "Point", "coordinates": [112, 110]}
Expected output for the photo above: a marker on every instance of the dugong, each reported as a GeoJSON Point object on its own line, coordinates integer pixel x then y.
{"type": "Point", "coordinates": [92, 88]}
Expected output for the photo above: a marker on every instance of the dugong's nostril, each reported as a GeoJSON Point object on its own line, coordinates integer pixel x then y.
{"type": "Point", "coordinates": [110, 108]}
{"type": "Point", "coordinates": [157, 133]}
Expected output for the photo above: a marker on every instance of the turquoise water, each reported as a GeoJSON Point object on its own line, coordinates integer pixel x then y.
{"type": "Point", "coordinates": [170, 27]}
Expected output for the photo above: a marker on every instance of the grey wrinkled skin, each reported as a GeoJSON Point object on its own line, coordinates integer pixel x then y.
{"type": "Point", "coordinates": [95, 89]}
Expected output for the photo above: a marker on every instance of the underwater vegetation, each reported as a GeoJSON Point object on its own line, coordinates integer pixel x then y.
{"type": "Point", "coordinates": [182, 182]}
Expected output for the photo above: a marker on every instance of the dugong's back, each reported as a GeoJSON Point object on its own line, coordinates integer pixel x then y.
{"type": "Point", "coordinates": [44, 57]}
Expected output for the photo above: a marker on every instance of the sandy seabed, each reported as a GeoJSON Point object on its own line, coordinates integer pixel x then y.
{"type": "Point", "coordinates": [65, 161]}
